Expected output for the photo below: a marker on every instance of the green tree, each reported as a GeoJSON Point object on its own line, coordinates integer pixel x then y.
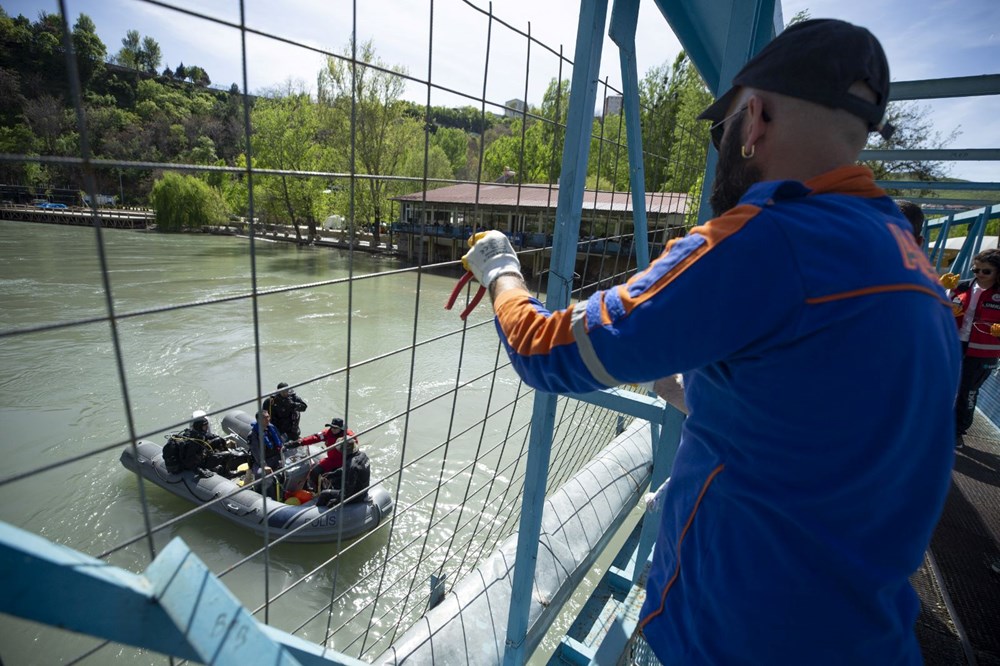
{"type": "Point", "coordinates": [185, 202]}
{"type": "Point", "coordinates": [149, 55]}
{"type": "Point", "coordinates": [380, 129]}
{"type": "Point", "coordinates": [455, 144]}
{"type": "Point", "coordinates": [286, 130]}
{"type": "Point", "coordinates": [130, 54]}
{"type": "Point", "coordinates": [90, 50]}
{"type": "Point", "coordinates": [914, 131]}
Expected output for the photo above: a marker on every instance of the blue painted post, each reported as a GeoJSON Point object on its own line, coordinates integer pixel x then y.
{"type": "Point", "coordinates": [624, 17]}
{"type": "Point", "coordinates": [214, 622]}
{"type": "Point", "coordinates": [751, 27]}
{"type": "Point", "coordinates": [942, 242]}
{"type": "Point", "coordinates": [666, 439]}
{"type": "Point", "coordinates": [572, 180]}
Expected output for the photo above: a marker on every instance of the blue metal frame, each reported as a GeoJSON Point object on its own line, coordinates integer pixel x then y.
{"type": "Point", "coordinates": [624, 18]}
{"type": "Point", "coordinates": [178, 607]}
{"type": "Point", "coordinates": [572, 180]}
{"type": "Point", "coordinates": [741, 45]}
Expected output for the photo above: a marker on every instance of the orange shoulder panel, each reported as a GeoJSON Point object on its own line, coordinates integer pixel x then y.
{"type": "Point", "coordinates": [714, 231]}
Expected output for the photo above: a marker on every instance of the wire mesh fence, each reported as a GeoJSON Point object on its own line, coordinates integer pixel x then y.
{"type": "Point", "coordinates": [328, 250]}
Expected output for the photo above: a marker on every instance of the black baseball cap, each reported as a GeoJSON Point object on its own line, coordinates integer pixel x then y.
{"type": "Point", "coordinates": [336, 423]}
{"type": "Point", "coordinates": [818, 60]}
{"type": "Point", "coordinates": [282, 385]}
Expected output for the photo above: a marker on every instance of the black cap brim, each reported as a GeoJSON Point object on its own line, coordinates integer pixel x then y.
{"type": "Point", "coordinates": [717, 111]}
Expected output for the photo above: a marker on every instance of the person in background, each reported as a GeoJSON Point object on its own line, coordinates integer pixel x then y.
{"type": "Point", "coordinates": [265, 446]}
{"type": "Point", "coordinates": [803, 493]}
{"type": "Point", "coordinates": [331, 436]}
{"type": "Point", "coordinates": [286, 409]}
{"type": "Point", "coordinates": [198, 449]}
{"type": "Point", "coordinates": [976, 305]}
{"type": "Point", "coordinates": [915, 215]}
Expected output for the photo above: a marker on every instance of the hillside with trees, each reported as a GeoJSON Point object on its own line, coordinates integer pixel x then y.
{"type": "Point", "coordinates": [145, 119]}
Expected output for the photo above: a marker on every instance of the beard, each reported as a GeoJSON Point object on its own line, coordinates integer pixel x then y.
{"type": "Point", "coordinates": [733, 174]}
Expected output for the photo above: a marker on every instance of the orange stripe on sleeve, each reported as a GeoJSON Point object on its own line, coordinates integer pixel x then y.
{"type": "Point", "coordinates": [714, 231]}
{"type": "Point", "coordinates": [527, 332]}
{"type": "Point", "coordinates": [875, 290]}
{"type": "Point", "coordinates": [680, 541]}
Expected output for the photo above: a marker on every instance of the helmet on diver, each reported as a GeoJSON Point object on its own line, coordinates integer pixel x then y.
{"type": "Point", "coordinates": [199, 418]}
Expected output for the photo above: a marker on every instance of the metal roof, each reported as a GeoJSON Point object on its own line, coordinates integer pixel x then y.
{"type": "Point", "coordinates": [545, 196]}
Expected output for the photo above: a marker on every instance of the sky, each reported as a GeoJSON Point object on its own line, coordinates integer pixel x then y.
{"type": "Point", "coordinates": [922, 38]}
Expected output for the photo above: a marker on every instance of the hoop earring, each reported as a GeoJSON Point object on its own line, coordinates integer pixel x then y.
{"type": "Point", "coordinates": [745, 154]}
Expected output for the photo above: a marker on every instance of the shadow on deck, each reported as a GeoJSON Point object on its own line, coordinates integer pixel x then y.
{"type": "Point", "coordinates": [959, 582]}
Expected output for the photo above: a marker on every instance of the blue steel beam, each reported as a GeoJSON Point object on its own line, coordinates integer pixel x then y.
{"type": "Point", "coordinates": [937, 185]}
{"type": "Point", "coordinates": [935, 155]}
{"type": "Point", "coordinates": [959, 86]}
{"type": "Point", "coordinates": [935, 201]}
{"type": "Point", "coordinates": [212, 620]}
{"type": "Point", "coordinates": [572, 179]}
{"type": "Point", "coordinates": [60, 587]}
{"type": "Point", "coordinates": [624, 18]}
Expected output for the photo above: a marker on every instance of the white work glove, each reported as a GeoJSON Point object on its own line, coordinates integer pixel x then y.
{"type": "Point", "coordinates": [654, 500]}
{"type": "Point", "coordinates": [491, 256]}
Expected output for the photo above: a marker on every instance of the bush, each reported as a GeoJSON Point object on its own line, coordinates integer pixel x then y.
{"type": "Point", "coordinates": [185, 202]}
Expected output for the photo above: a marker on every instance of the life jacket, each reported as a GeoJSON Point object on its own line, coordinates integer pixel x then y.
{"type": "Point", "coordinates": [981, 343]}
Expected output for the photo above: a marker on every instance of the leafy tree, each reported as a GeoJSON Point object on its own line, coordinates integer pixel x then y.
{"type": "Point", "coordinates": [180, 72]}
{"type": "Point", "coordinates": [914, 131]}
{"type": "Point", "coordinates": [198, 76]}
{"type": "Point", "coordinates": [608, 167]}
{"type": "Point", "coordinates": [689, 136]}
{"type": "Point", "coordinates": [149, 55]}
{"type": "Point", "coordinates": [455, 145]}
{"type": "Point", "coordinates": [285, 137]}
{"type": "Point", "coordinates": [130, 54]}
{"type": "Point", "coordinates": [185, 202]}
{"type": "Point", "coordinates": [380, 129]}
{"type": "Point", "coordinates": [90, 50]}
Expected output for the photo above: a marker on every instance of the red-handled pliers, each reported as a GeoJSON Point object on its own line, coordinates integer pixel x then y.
{"type": "Point", "coordinates": [458, 288]}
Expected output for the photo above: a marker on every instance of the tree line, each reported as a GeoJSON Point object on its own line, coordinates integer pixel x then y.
{"type": "Point", "coordinates": [356, 122]}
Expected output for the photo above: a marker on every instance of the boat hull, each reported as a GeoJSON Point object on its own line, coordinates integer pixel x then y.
{"type": "Point", "coordinates": [304, 523]}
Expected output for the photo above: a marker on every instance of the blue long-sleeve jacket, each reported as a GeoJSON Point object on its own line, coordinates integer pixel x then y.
{"type": "Point", "coordinates": [821, 363]}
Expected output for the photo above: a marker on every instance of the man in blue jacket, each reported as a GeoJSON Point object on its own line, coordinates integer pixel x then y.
{"type": "Point", "coordinates": [820, 362]}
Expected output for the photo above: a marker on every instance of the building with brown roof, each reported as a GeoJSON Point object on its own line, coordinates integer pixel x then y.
{"type": "Point", "coordinates": [435, 224]}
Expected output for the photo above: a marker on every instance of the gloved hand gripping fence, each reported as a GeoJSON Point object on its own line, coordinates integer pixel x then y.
{"type": "Point", "coordinates": [491, 255]}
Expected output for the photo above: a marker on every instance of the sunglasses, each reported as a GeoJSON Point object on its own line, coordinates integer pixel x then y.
{"type": "Point", "coordinates": [983, 271]}
{"type": "Point", "coordinates": [717, 130]}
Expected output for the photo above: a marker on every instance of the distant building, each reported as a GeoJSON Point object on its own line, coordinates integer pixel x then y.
{"type": "Point", "coordinates": [515, 107]}
{"type": "Point", "coordinates": [612, 105]}
{"type": "Point", "coordinates": [435, 225]}
{"type": "Point", "coordinates": [532, 208]}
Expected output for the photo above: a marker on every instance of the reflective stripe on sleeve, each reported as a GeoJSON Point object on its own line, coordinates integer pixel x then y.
{"type": "Point", "coordinates": [979, 345]}
{"type": "Point", "coordinates": [587, 353]}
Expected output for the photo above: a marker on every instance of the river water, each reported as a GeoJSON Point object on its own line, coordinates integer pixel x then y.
{"type": "Point", "coordinates": [63, 397]}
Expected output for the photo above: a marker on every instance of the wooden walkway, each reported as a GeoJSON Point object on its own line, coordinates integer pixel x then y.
{"type": "Point", "coordinates": [111, 218]}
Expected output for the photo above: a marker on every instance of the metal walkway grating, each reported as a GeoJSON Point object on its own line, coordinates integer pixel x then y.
{"type": "Point", "coordinates": [966, 547]}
